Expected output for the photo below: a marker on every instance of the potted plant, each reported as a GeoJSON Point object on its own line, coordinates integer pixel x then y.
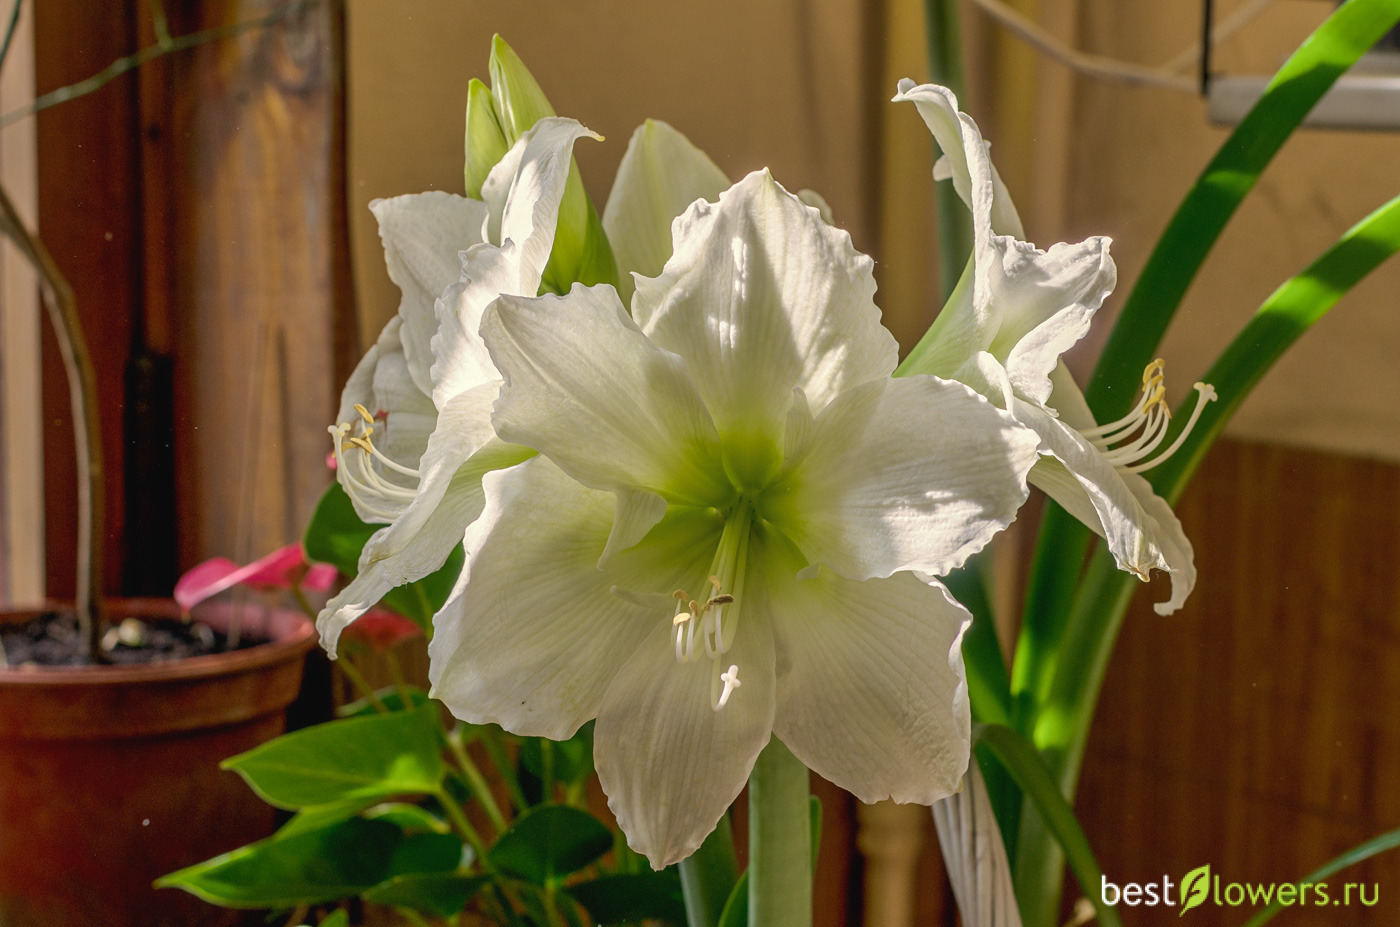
{"type": "Point", "coordinates": [109, 758]}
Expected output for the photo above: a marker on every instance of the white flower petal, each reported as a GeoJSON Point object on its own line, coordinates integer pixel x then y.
{"type": "Point", "coordinates": [871, 689]}
{"type": "Point", "coordinates": [524, 190]}
{"type": "Point", "coordinates": [532, 636]}
{"type": "Point", "coordinates": [423, 234]}
{"type": "Point", "coordinates": [585, 386]}
{"type": "Point", "coordinates": [965, 159]}
{"type": "Point", "coordinates": [670, 764]}
{"type": "Point", "coordinates": [910, 474]}
{"type": "Point", "coordinates": [1043, 302]}
{"type": "Point", "coordinates": [759, 297]}
{"type": "Point", "coordinates": [1068, 401]}
{"type": "Point", "coordinates": [635, 514]}
{"type": "Point", "coordinates": [661, 174]}
{"type": "Point", "coordinates": [1142, 532]}
{"type": "Point", "coordinates": [461, 449]}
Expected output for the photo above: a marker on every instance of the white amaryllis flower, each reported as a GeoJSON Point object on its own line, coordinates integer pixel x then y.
{"type": "Point", "coordinates": [1003, 334]}
{"type": "Point", "coordinates": [414, 430]}
{"type": "Point", "coordinates": [732, 529]}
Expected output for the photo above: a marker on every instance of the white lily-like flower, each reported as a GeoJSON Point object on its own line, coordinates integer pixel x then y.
{"type": "Point", "coordinates": [414, 431]}
{"type": "Point", "coordinates": [732, 530]}
{"type": "Point", "coordinates": [1003, 335]}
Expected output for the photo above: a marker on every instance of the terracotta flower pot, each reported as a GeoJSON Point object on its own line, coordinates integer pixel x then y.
{"type": "Point", "coordinates": [109, 776]}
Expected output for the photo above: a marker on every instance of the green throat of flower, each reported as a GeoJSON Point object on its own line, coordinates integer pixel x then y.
{"type": "Point", "coordinates": [1129, 442]}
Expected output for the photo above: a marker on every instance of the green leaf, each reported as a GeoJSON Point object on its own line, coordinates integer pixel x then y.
{"type": "Point", "coordinates": [1308, 74]}
{"type": "Point", "coordinates": [337, 918]}
{"type": "Point", "coordinates": [1387, 841]}
{"type": "Point", "coordinates": [1031, 774]}
{"type": "Point", "coordinates": [440, 893]}
{"type": "Point", "coordinates": [1347, 34]}
{"type": "Point", "coordinates": [310, 867]}
{"type": "Point", "coordinates": [340, 761]}
{"type": "Point", "coordinates": [1195, 888]}
{"type": "Point", "coordinates": [319, 817]}
{"type": "Point", "coordinates": [428, 853]}
{"type": "Point", "coordinates": [619, 899]}
{"type": "Point", "coordinates": [335, 535]}
{"type": "Point", "coordinates": [1283, 318]}
{"type": "Point", "coordinates": [549, 842]}
{"type": "Point", "coordinates": [408, 817]}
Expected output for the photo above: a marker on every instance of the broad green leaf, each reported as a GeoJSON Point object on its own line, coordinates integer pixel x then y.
{"type": "Point", "coordinates": [378, 756]}
{"type": "Point", "coordinates": [1387, 841]}
{"type": "Point", "coordinates": [619, 899]}
{"type": "Point", "coordinates": [310, 867]}
{"type": "Point", "coordinates": [337, 918]}
{"type": "Point", "coordinates": [1195, 887]}
{"type": "Point", "coordinates": [440, 893]}
{"type": "Point", "coordinates": [408, 817]}
{"type": "Point", "coordinates": [428, 853]}
{"type": "Point", "coordinates": [1031, 774]}
{"type": "Point", "coordinates": [335, 535]}
{"type": "Point", "coordinates": [319, 817]}
{"type": "Point", "coordinates": [549, 842]}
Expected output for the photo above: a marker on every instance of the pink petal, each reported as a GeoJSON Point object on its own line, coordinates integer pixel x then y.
{"type": "Point", "coordinates": [381, 629]}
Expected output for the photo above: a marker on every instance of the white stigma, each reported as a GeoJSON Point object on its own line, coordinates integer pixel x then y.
{"type": "Point", "coordinates": [730, 678]}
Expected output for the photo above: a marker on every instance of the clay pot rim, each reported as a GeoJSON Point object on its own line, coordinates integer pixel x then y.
{"type": "Point", "coordinates": [294, 643]}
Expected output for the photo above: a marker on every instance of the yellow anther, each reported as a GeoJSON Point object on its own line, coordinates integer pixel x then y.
{"type": "Point", "coordinates": [362, 443]}
{"type": "Point", "coordinates": [714, 581]}
{"type": "Point", "coordinates": [681, 618]}
{"type": "Point", "coordinates": [364, 414]}
{"type": "Point", "coordinates": [1155, 370]}
{"type": "Point", "coordinates": [723, 599]}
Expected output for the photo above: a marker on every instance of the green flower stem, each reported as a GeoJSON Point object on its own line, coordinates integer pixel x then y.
{"type": "Point", "coordinates": [708, 876]}
{"type": "Point", "coordinates": [945, 64]}
{"type": "Point", "coordinates": [362, 686]}
{"type": "Point", "coordinates": [496, 749]}
{"type": "Point", "coordinates": [464, 827]}
{"type": "Point", "coordinates": [780, 840]}
{"type": "Point", "coordinates": [476, 780]}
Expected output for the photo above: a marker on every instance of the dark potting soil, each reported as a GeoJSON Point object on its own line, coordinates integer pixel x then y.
{"type": "Point", "coordinates": [52, 639]}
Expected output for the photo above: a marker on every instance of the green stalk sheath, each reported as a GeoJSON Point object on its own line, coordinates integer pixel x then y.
{"type": "Point", "coordinates": [708, 876]}
{"type": "Point", "coordinates": [945, 64]}
{"type": "Point", "coordinates": [780, 840]}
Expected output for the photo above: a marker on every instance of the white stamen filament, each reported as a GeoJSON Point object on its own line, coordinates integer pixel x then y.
{"type": "Point", "coordinates": [366, 485]}
{"type": "Point", "coordinates": [706, 619]}
{"type": "Point", "coordinates": [1150, 421]}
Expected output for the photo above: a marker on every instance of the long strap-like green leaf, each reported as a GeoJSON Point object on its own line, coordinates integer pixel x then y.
{"type": "Point", "coordinates": [1347, 34]}
{"type": "Point", "coordinates": [1386, 841]}
{"type": "Point", "coordinates": [1035, 780]}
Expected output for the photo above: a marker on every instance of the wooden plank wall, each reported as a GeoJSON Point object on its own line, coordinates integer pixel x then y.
{"type": "Point", "coordinates": [1256, 730]}
{"type": "Point", "coordinates": [198, 208]}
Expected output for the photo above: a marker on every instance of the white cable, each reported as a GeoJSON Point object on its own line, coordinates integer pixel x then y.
{"type": "Point", "coordinates": [1109, 69]}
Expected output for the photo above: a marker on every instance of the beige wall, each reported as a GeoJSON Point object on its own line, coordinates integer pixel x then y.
{"type": "Point", "coordinates": [801, 85]}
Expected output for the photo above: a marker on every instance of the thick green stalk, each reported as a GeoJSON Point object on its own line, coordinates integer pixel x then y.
{"type": "Point", "coordinates": [780, 840]}
{"type": "Point", "coordinates": [945, 65]}
{"type": "Point", "coordinates": [708, 877]}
